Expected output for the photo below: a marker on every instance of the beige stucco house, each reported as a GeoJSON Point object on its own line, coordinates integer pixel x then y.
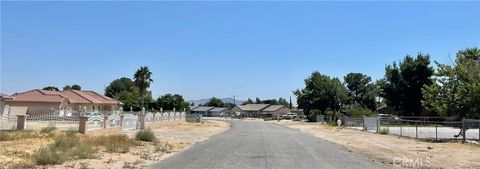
{"type": "Point", "coordinates": [39, 101]}
{"type": "Point", "coordinates": [260, 110]}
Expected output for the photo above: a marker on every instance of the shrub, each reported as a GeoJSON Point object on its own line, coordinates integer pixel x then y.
{"type": "Point", "coordinates": [358, 112]}
{"type": "Point", "coordinates": [383, 131]}
{"type": "Point", "coordinates": [83, 151]}
{"type": "Point", "coordinates": [62, 143]}
{"type": "Point", "coordinates": [44, 156]}
{"type": "Point", "coordinates": [112, 143]}
{"type": "Point", "coordinates": [17, 135]}
{"type": "Point", "coordinates": [48, 129]}
{"type": "Point", "coordinates": [145, 135]}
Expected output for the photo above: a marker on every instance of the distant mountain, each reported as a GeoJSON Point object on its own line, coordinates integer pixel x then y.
{"type": "Point", "coordinates": [225, 100]}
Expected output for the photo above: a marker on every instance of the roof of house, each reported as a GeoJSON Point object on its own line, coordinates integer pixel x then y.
{"type": "Point", "coordinates": [38, 95]}
{"type": "Point", "coordinates": [192, 107]}
{"type": "Point", "coordinates": [201, 108]}
{"type": "Point", "coordinates": [72, 96]}
{"type": "Point", "coordinates": [95, 97]}
{"type": "Point", "coordinates": [218, 109]}
{"type": "Point", "coordinates": [273, 108]}
{"type": "Point", "coordinates": [253, 107]}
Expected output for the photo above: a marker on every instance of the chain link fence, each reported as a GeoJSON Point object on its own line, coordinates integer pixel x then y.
{"type": "Point", "coordinates": [427, 128]}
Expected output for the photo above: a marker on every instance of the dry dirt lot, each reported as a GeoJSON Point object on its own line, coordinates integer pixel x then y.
{"type": "Point", "coordinates": [397, 151]}
{"type": "Point", "coordinates": [172, 138]}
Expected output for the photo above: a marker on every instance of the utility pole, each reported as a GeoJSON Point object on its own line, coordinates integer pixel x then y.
{"type": "Point", "coordinates": [234, 101]}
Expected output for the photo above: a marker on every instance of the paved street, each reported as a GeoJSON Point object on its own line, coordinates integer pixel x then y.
{"type": "Point", "coordinates": [257, 144]}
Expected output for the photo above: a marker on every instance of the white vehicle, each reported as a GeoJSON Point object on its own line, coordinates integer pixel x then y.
{"type": "Point", "coordinates": [289, 116]}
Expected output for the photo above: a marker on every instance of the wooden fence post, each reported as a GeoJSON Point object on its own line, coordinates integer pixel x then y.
{"type": "Point", "coordinates": [82, 124]}
{"type": "Point", "coordinates": [21, 119]}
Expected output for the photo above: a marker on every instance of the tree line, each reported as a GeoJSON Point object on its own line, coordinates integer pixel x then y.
{"type": "Point", "coordinates": [134, 93]}
{"type": "Point", "coordinates": [411, 87]}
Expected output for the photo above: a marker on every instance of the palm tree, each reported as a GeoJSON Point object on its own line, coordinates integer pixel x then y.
{"type": "Point", "coordinates": [142, 80]}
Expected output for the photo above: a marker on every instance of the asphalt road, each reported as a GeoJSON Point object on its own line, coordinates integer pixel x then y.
{"type": "Point", "coordinates": [257, 144]}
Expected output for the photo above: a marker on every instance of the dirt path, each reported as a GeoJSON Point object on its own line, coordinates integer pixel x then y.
{"type": "Point", "coordinates": [396, 151]}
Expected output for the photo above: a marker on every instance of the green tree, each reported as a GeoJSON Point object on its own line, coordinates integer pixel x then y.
{"type": "Point", "coordinates": [214, 102]}
{"type": "Point", "coordinates": [249, 101]}
{"type": "Point", "coordinates": [76, 87]}
{"type": "Point", "coordinates": [402, 85]}
{"type": "Point", "coordinates": [67, 87]}
{"type": "Point", "coordinates": [321, 93]}
{"type": "Point", "coordinates": [258, 101]}
{"type": "Point", "coordinates": [52, 88]}
{"type": "Point", "coordinates": [142, 79]}
{"type": "Point", "coordinates": [118, 86]}
{"type": "Point", "coordinates": [129, 98]}
{"type": "Point", "coordinates": [169, 101]}
{"type": "Point", "coordinates": [361, 90]}
{"type": "Point", "coordinates": [456, 91]}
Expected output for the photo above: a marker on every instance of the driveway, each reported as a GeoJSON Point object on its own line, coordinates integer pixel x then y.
{"type": "Point", "coordinates": [258, 144]}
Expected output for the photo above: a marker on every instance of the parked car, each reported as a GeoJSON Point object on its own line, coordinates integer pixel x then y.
{"type": "Point", "coordinates": [289, 116]}
{"type": "Point", "coordinates": [387, 116]}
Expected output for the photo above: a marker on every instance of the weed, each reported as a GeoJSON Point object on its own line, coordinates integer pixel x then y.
{"type": "Point", "coordinates": [145, 135]}
{"type": "Point", "coordinates": [48, 129]}
{"type": "Point", "coordinates": [83, 151]}
{"type": "Point", "coordinates": [383, 131]}
{"type": "Point", "coordinates": [44, 156]}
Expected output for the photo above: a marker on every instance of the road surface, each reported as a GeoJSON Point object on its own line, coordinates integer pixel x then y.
{"type": "Point", "coordinates": [258, 144]}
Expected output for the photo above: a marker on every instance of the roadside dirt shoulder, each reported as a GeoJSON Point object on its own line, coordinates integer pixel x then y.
{"type": "Point", "coordinates": [393, 150]}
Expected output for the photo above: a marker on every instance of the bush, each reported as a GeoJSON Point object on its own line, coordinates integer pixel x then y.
{"type": "Point", "coordinates": [145, 135]}
{"type": "Point", "coordinates": [48, 129]}
{"type": "Point", "coordinates": [44, 156]}
{"type": "Point", "coordinates": [83, 151]}
{"type": "Point", "coordinates": [383, 131]}
{"type": "Point", "coordinates": [113, 143]}
{"type": "Point", "coordinates": [358, 112]}
{"type": "Point", "coordinates": [17, 135]}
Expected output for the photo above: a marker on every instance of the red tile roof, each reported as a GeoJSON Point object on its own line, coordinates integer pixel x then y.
{"type": "Point", "coordinates": [38, 95]}
{"type": "Point", "coordinates": [72, 96]}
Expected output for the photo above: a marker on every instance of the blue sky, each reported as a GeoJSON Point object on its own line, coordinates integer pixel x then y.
{"type": "Point", "coordinates": [205, 49]}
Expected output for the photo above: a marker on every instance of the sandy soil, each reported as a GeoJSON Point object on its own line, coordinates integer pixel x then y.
{"type": "Point", "coordinates": [397, 151]}
{"type": "Point", "coordinates": [176, 136]}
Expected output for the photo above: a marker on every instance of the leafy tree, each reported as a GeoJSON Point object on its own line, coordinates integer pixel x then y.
{"type": "Point", "coordinates": [321, 93]}
{"type": "Point", "coordinates": [282, 101]}
{"type": "Point", "coordinates": [402, 85]}
{"type": "Point", "coordinates": [249, 101]}
{"type": "Point", "coordinates": [214, 102]}
{"type": "Point", "coordinates": [76, 87]}
{"type": "Point", "coordinates": [169, 101]}
{"type": "Point", "coordinates": [258, 101]}
{"type": "Point", "coordinates": [361, 90]}
{"type": "Point", "coordinates": [67, 87]}
{"type": "Point", "coordinates": [456, 91]}
{"type": "Point", "coordinates": [269, 101]}
{"type": "Point", "coordinates": [118, 86]}
{"type": "Point", "coordinates": [52, 88]}
{"type": "Point", "coordinates": [130, 99]}
{"type": "Point", "coordinates": [142, 79]}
